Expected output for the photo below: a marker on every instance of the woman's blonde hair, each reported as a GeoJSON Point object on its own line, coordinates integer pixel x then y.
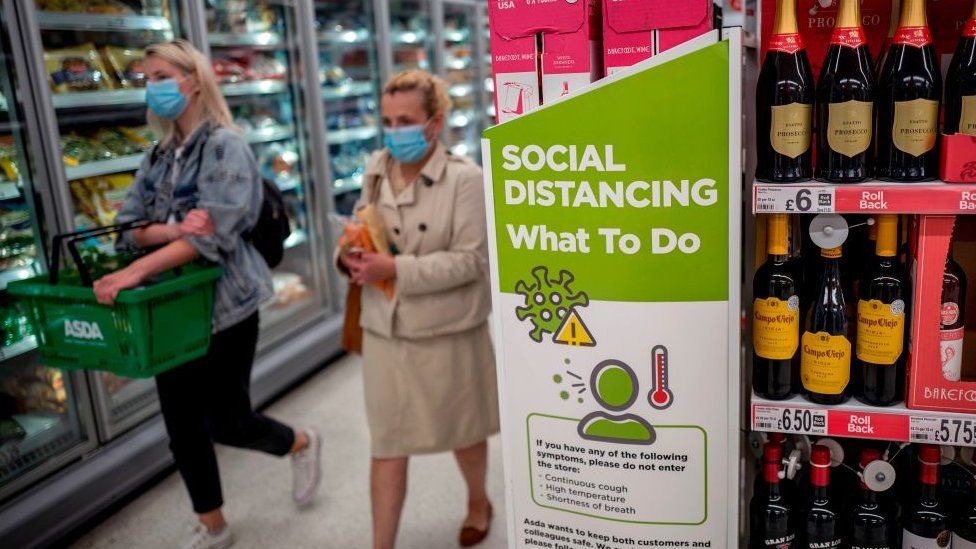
{"type": "Point", "coordinates": [211, 106]}
{"type": "Point", "coordinates": [432, 88]}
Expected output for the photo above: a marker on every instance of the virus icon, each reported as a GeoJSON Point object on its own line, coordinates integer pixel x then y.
{"type": "Point", "coordinates": [547, 301]}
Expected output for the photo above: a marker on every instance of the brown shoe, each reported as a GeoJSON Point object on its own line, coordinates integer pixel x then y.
{"type": "Point", "coordinates": [471, 536]}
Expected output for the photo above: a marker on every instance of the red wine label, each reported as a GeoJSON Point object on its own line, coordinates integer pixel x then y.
{"type": "Point", "coordinates": [912, 36]}
{"type": "Point", "coordinates": [776, 327]}
{"type": "Point", "coordinates": [958, 542]}
{"type": "Point", "coordinates": [850, 37]}
{"type": "Point", "coordinates": [880, 331]}
{"type": "Point", "coordinates": [967, 118]}
{"type": "Point", "coordinates": [916, 126]}
{"type": "Point", "coordinates": [849, 127]}
{"type": "Point", "coordinates": [790, 131]}
{"type": "Point", "coordinates": [786, 43]}
{"type": "Point", "coordinates": [969, 29]}
{"type": "Point", "coordinates": [949, 313]}
{"type": "Point", "coordinates": [950, 353]}
{"type": "Point", "coordinates": [825, 363]}
{"type": "Point", "coordinates": [915, 541]}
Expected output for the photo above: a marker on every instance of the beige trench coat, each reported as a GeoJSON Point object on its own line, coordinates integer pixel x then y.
{"type": "Point", "coordinates": [429, 366]}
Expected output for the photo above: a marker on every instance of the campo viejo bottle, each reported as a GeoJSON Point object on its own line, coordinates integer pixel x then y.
{"type": "Point", "coordinates": [775, 315]}
{"type": "Point", "coordinates": [825, 350]}
{"type": "Point", "coordinates": [872, 523]}
{"type": "Point", "coordinates": [770, 511]}
{"type": "Point", "coordinates": [925, 524]}
{"type": "Point", "coordinates": [960, 85]}
{"type": "Point", "coordinates": [909, 91]}
{"type": "Point", "coordinates": [822, 526]}
{"type": "Point", "coordinates": [784, 103]}
{"type": "Point", "coordinates": [845, 101]}
{"type": "Point", "coordinates": [881, 318]}
{"type": "Point", "coordinates": [952, 318]}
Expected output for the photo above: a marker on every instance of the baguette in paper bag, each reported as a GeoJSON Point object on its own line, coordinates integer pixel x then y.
{"type": "Point", "coordinates": [368, 234]}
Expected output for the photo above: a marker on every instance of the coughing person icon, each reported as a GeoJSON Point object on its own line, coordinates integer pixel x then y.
{"type": "Point", "coordinates": [614, 385]}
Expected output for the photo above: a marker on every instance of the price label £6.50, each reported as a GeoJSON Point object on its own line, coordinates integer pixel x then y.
{"type": "Point", "coordinates": [790, 420]}
{"type": "Point", "coordinates": [786, 198]}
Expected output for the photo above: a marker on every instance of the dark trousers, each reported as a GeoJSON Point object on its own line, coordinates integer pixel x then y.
{"type": "Point", "coordinates": [208, 400]}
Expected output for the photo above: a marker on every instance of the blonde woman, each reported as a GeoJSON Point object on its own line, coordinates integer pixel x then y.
{"type": "Point", "coordinates": [201, 189]}
{"type": "Point", "coordinates": [428, 362]}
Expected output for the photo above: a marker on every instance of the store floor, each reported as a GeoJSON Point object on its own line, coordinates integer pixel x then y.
{"type": "Point", "coordinates": [257, 487]}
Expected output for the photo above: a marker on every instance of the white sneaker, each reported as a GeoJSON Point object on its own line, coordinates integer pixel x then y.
{"type": "Point", "coordinates": [306, 469]}
{"type": "Point", "coordinates": [203, 538]}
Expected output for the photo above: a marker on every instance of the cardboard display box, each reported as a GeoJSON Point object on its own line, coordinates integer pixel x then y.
{"type": "Point", "coordinates": [542, 51]}
{"type": "Point", "coordinates": [634, 30]}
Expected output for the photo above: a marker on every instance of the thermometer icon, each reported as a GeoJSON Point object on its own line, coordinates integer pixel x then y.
{"type": "Point", "coordinates": [660, 396]}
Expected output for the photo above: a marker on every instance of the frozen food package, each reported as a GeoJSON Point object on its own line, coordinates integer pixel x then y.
{"type": "Point", "coordinates": [77, 149]}
{"type": "Point", "coordinates": [108, 192]}
{"type": "Point", "coordinates": [84, 204]}
{"type": "Point", "coordinates": [9, 172]}
{"type": "Point", "coordinates": [141, 136]}
{"type": "Point", "coordinates": [119, 142]}
{"type": "Point", "coordinates": [74, 69]}
{"type": "Point", "coordinates": [109, 7]}
{"type": "Point", "coordinates": [126, 65]}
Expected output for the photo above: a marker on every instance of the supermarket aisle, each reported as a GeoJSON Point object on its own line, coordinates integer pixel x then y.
{"type": "Point", "coordinates": [257, 487]}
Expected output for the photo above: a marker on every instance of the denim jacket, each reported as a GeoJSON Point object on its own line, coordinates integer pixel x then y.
{"type": "Point", "coordinates": [218, 173]}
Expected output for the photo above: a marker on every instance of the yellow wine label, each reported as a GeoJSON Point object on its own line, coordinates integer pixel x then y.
{"type": "Point", "coordinates": [967, 120]}
{"type": "Point", "coordinates": [916, 126]}
{"type": "Point", "coordinates": [790, 132]}
{"type": "Point", "coordinates": [880, 331]}
{"type": "Point", "coordinates": [825, 363]}
{"type": "Point", "coordinates": [776, 327]}
{"type": "Point", "coordinates": [849, 127]}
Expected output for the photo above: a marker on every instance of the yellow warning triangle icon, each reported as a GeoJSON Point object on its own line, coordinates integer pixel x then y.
{"type": "Point", "coordinates": [573, 332]}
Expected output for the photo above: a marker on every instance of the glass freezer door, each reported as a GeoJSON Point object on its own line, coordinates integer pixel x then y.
{"type": "Point", "coordinates": [411, 37]}
{"type": "Point", "coordinates": [350, 84]}
{"type": "Point", "coordinates": [93, 55]}
{"type": "Point", "coordinates": [45, 419]}
{"type": "Point", "coordinates": [255, 51]}
{"type": "Point", "coordinates": [461, 70]}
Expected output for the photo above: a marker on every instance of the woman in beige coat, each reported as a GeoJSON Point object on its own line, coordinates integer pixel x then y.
{"type": "Point", "coordinates": [429, 366]}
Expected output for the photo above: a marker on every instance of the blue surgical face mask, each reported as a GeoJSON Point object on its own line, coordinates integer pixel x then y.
{"type": "Point", "coordinates": [164, 98]}
{"type": "Point", "coordinates": [407, 144]}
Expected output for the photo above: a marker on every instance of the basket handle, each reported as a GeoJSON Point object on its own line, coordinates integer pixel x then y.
{"type": "Point", "coordinates": [72, 239]}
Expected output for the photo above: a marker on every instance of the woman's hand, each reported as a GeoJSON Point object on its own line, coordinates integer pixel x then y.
{"type": "Point", "coordinates": [197, 223]}
{"type": "Point", "coordinates": [370, 267]}
{"type": "Point", "coordinates": [108, 287]}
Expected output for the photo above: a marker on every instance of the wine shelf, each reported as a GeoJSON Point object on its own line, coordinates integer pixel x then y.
{"type": "Point", "coordinates": [856, 420]}
{"type": "Point", "coordinates": [870, 197]}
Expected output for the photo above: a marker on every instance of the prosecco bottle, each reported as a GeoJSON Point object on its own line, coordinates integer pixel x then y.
{"type": "Point", "coordinates": [775, 315]}
{"type": "Point", "coordinates": [886, 44]}
{"type": "Point", "coordinates": [872, 526]}
{"type": "Point", "coordinates": [881, 317]}
{"type": "Point", "coordinates": [822, 526]}
{"type": "Point", "coordinates": [825, 350]}
{"type": "Point", "coordinates": [784, 103]}
{"type": "Point", "coordinates": [907, 106]}
{"type": "Point", "coordinates": [952, 318]}
{"type": "Point", "coordinates": [770, 511]}
{"type": "Point", "coordinates": [925, 524]}
{"type": "Point", "coordinates": [960, 96]}
{"type": "Point", "coordinates": [845, 101]}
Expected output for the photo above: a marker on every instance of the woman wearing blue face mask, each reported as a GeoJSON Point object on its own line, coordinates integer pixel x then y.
{"type": "Point", "coordinates": [428, 362]}
{"type": "Point", "coordinates": [201, 189]}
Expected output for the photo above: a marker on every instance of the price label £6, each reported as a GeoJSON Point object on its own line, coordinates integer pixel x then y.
{"type": "Point", "coordinates": [961, 432]}
{"type": "Point", "coordinates": [786, 198]}
{"type": "Point", "coordinates": [790, 420]}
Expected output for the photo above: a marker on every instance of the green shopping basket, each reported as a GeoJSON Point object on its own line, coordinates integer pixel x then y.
{"type": "Point", "coordinates": [148, 330]}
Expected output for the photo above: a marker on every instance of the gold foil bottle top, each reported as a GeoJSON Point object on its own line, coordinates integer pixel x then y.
{"type": "Point", "coordinates": [849, 14]}
{"type": "Point", "coordinates": [887, 245]}
{"type": "Point", "coordinates": [913, 14]}
{"type": "Point", "coordinates": [972, 15]}
{"type": "Point", "coordinates": [785, 20]}
{"type": "Point", "coordinates": [777, 234]}
{"type": "Point", "coordinates": [830, 253]}
{"type": "Point", "coordinates": [895, 15]}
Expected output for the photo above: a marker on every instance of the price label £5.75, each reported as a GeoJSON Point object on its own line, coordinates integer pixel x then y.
{"type": "Point", "coordinates": [787, 198]}
{"type": "Point", "coordinates": [958, 432]}
{"type": "Point", "coordinates": [789, 420]}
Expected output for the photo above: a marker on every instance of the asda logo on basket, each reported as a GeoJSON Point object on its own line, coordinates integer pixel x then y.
{"type": "Point", "coordinates": [81, 329]}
